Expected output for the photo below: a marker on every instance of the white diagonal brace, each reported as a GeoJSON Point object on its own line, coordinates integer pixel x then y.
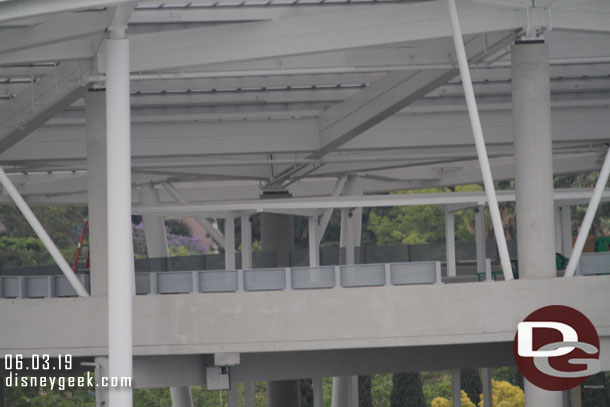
{"type": "Point", "coordinates": [207, 225]}
{"type": "Point", "coordinates": [41, 101]}
{"type": "Point", "coordinates": [42, 234]}
{"type": "Point", "coordinates": [338, 188]}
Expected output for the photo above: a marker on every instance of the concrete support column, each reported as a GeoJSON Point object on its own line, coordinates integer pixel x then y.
{"type": "Point", "coordinates": [246, 242]}
{"type": "Point", "coordinates": [277, 234]}
{"type": "Point", "coordinates": [249, 394]}
{"type": "Point", "coordinates": [534, 177]}
{"type": "Point", "coordinates": [154, 226]}
{"type": "Point", "coordinates": [351, 221]}
{"type": "Point", "coordinates": [558, 230]}
{"type": "Point", "coordinates": [566, 233]}
{"type": "Point", "coordinates": [318, 392]}
{"type": "Point", "coordinates": [97, 191]}
{"type": "Point", "coordinates": [345, 391]}
{"type": "Point", "coordinates": [450, 244]}
{"type": "Point", "coordinates": [533, 160]}
{"type": "Point", "coordinates": [283, 393]}
{"type": "Point", "coordinates": [486, 383]}
{"type": "Point", "coordinates": [314, 242]}
{"type": "Point", "coordinates": [230, 243]}
{"type": "Point", "coordinates": [120, 240]}
{"type": "Point", "coordinates": [456, 388]}
{"type": "Point", "coordinates": [233, 395]}
{"type": "Point", "coordinates": [181, 396]}
{"type": "Point", "coordinates": [479, 228]}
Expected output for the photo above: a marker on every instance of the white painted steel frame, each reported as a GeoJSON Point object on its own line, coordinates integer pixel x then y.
{"type": "Point", "coordinates": [120, 243]}
{"type": "Point", "coordinates": [477, 131]}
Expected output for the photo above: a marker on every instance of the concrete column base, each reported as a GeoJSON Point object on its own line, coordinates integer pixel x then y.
{"type": "Point", "coordinates": [536, 397]}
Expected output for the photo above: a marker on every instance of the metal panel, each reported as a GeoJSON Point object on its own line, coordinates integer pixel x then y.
{"type": "Point", "coordinates": [36, 287]}
{"type": "Point", "coordinates": [265, 279]}
{"type": "Point", "coordinates": [594, 263]}
{"type": "Point", "coordinates": [175, 282]}
{"type": "Point", "coordinates": [63, 288]}
{"type": "Point", "coordinates": [363, 275]}
{"type": "Point", "coordinates": [413, 273]}
{"type": "Point", "coordinates": [314, 277]}
{"type": "Point", "coordinates": [143, 283]}
{"type": "Point", "coordinates": [217, 281]}
{"type": "Point", "coordinates": [10, 287]}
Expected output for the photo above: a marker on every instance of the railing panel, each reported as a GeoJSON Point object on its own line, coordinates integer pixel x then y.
{"type": "Point", "coordinates": [217, 281]}
{"type": "Point", "coordinates": [265, 279]}
{"type": "Point", "coordinates": [413, 273]}
{"type": "Point", "coordinates": [314, 277]}
{"type": "Point", "coordinates": [361, 275]}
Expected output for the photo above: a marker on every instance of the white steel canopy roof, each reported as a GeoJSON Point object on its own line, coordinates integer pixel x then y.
{"type": "Point", "coordinates": [235, 96]}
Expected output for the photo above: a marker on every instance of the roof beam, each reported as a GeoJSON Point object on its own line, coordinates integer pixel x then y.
{"type": "Point", "coordinates": [60, 29]}
{"type": "Point", "coordinates": [353, 28]}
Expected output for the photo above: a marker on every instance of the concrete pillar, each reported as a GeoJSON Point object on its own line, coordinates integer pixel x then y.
{"type": "Point", "coordinates": [533, 160]}
{"type": "Point", "coordinates": [566, 233]}
{"type": "Point", "coordinates": [277, 234]}
{"type": "Point", "coordinates": [479, 228]}
{"type": "Point", "coordinates": [487, 389]}
{"type": "Point", "coordinates": [233, 395]}
{"type": "Point", "coordinates": [558, 230]}
{"type": "Point", "coordinates": [154, 226]}
{"type": "Point", "coordinates": [450, 244]}
{"type": "Point", "coordinates": [576, 397]}
{"type": "Point", "coordinates": [120, 240]}
{"type": "Point", "coordinates": [283, 393]}
{"type": "Point", "coordinates": [246, 242]}
{"type": "Point", "coordinates": [97, 191]}
{"type": "Point", "coordinates": [534, 177]}
{"type": "Point", "coordinates": [314, 242]}
{"type": "Point", "coordinates": [101, 393]}
{"type": "Point", "coordinates": [230, 243]}
{"type": "Point", "coordinates": [351, 221]}
{"type": "Point", "coordinates": [456, 388]}
{"type": "Point", "coordinates": [318, 392]}
{"type": "Point", "coordinates": [345, 391]}
{"type": "Point", "coordinates": [249, 394]}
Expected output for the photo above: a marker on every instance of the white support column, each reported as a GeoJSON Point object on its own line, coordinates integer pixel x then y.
{"type": "Point", "coordinates": [351, 221]}
{"type": "Point", "coordinates": [97, 191]}
{"type": "Point", "coordinates": [318, 392]}
{"type": "Point", "coordinates": [456, 388]}
{"type": "Point", "coordinates": [314, 248]}
{"type": "Point", "coordinates": [154, 226]}
{"type": "Point", "coordinates": [558, 230]}
{"type": "Point", "coordinates": [230, 243]}
{"type": "Point", "coordinates": [338, 188]}
{"type": "Point", "coordinates": [450, 244]}
{"type": "Point", "coordinates": [120, 241]}
{"type": "Point", "coordinates": [345, 391]}
{"type": "Point", "coordinates": [566, 234]}
{"type": "Point", "coordinates": [249, 394]}
{"type": "Point", "coordinates": [181, 396]}
{"type": "Point", "coordinates": [534, 177]}
{"type": "Point", "coordinates": [246, 242]}
{"type": "Point", "coordinates": [533, 160]}
{"type": "Point", "coordinates": [479, 228]}
{"type": "Point", "coordinates": [487, 388]}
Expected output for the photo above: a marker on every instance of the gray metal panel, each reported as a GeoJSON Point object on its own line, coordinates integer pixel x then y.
{"type": "Point", "coordinates": [177, 282]}
{"type": "Point", "coordinates": [36, 287]}
{"type": "Point", "coordinates": [216, 281]}
{"type": "Point", "coordinates": [594, 263]}
{"type": "Point", "coordinates": [63, 288]}
{"type": "Point", "coordinates": [143, 283]}
{"type": "Point", "coordinates": [313, 277]}
{"type": "Point", "coordinates": [361, 275]}
{"type": "Point", "coordinates": [265, 279]}
{"type": "Point", "coordinates": [10, 287]}
{"type": "Point", "coordinates": [413, 273]}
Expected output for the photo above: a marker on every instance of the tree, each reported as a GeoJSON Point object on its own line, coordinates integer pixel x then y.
{"type": "Point", "coordinates": [407, 390]}
{"type": "Point", "coordinates": [365, 398]}
{"type": "Point", "coordinates": [505, 394]}
{"type": "Point", "coordinates": [471, 383]}
{"type": "Point", "coordinates": [443, 402]}
{"type": "Point", "coordinates": [595, 391]}
{"type": "Point", "coordinates": [306, 387]}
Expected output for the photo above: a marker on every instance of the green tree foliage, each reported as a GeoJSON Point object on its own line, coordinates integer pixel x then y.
{"type": "Point", "coordinates": [444, 402]}
{"type": "Point", "coordinates": [306, 388]}
{"type": "Point", "coordinates": [509, 374]}
{"type": "Point", "coordinates": [505, 394]}
{"type": "Point", "coordinates": [595, 391]}
{"type": "Point", "coordinates": [365, 398]}
{"type": "Point", "coordinates": [22, 251]}
{"type": "Point", "coordinates": [471, 383]}
{"type": "Point", "coordinates": [436, 384]}
{"type": "Point", "coordinates": [407, 390]}
{"type": "Point", "coordinates": [177, 227]}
